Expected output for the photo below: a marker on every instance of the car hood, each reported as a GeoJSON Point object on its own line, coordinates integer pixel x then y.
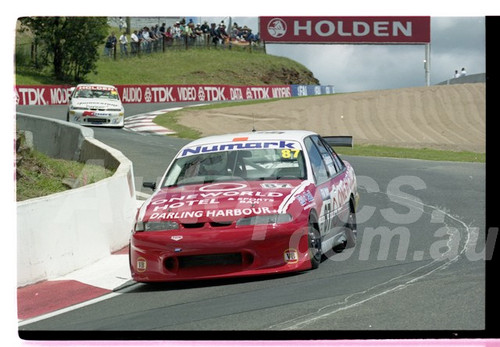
{"type": "Point", "coordinates": [96, 103]}
{"type": "Point", "coordinates": [221, 202]}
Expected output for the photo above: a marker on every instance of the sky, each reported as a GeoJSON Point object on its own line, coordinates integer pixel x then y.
{"type": "Point", "coordinates": [456, 42]}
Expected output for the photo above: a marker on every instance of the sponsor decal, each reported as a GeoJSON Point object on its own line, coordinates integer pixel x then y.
{"type": "Point", "coordinates": [141, 264]}
{"type": "Point", "coordinates": [237, 212]}
{"type": "Point", "coordinates": [95, 114]}
{"type": "Point", "coordinates": [209, 197]}
{"type": "Point", "coordinates": [205, 203]}
{"type": "Point", "coordinates": [59, 94]}
{"type": "Point", "coordinates": [177, 238]}
{"type": "Point", "coordinates": [276, 185]}
{"type": "Point", "coordinates": [31, 96]}
{"type": "Point", "coordinates": [305, 198]}
{"type": "Point", "coordinates": [394, 30]}
{"type": "Point", "coordinates": [276, 27]}
{"type": "Point", "coordinates": [291, 256]}
{"type": "Point", "coordinates": [94, 87]}
{"type": "Point", "coordinates": [325, 194]}
{"type": "Point", "coordinates": [222, 187]}
{"type": "Point", "coordinates": [94, 104]}
{"type": "Point", "coordinates": [290, 145]}
{"type": "Point", "coordinates": [148, 95]}
{"type": "Point", "coordinates": [132, 94]}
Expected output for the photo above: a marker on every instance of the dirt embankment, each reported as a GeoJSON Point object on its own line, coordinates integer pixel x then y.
{"type": "Point", "coordinates": [451, 117]}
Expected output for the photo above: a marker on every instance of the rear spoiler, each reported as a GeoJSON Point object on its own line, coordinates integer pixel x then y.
{"type": "Point", "coordinates": [339, 141]}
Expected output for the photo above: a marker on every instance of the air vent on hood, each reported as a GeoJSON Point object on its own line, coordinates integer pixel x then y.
{"type": "Point", "coordinates": [193, 225]}
{"type": "Point", "coordinates": [220, 224]}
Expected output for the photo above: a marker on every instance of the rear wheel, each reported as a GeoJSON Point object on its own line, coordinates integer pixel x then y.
{"type": "Point", "coordinates": [314, 240]}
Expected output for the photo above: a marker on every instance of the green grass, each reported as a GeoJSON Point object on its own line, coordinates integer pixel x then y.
{"type": "Point", "coordinates": [192, 66]}
{"type": "Point", "coordinates": [170, 121]}
{"type": "Point", "coordinates": [39, 175]}
{"type": "Point", "coordinates": [412, 153]}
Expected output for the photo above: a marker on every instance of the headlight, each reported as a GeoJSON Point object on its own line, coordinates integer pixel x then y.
{"type": "Point", "coordinates": [265, 219]}
{"type": "Point", "coordinates": [156, 226]}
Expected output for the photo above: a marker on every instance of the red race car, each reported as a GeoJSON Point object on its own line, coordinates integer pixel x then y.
{"type": "Point", "coordinates": [246, 204]}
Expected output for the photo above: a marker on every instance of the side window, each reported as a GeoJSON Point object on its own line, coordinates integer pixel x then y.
{"type": "Point", "coordinates": [327, 156]}
{"type": "Point", "coordinates": [318, 166]}
{"type": "Point", "coordinates": [339, 164]}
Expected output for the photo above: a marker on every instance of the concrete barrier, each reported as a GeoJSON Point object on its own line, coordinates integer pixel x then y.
{"type": "Point", "coordinates": [63, 232]}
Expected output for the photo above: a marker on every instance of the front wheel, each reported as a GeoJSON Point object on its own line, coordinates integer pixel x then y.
{"type": "Point", "coordinates": [314, 239]}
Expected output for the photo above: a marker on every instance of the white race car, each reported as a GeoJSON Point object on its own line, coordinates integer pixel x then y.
{"type": "Point", "coordinates": [95, 104]}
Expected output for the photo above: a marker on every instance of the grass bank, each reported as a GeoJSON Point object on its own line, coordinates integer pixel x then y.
{"type": "Point", "coordinates": [192, 66]}
{"type": "Point", "coordinates": [39, 175]}
{"type": "Point", "coordinates": [412, 153]}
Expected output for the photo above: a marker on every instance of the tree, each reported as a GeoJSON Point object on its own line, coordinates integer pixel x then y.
{"type": "Point", "coordinates": [69, 43]}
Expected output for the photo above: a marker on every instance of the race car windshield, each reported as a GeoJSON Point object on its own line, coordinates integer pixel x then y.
{"type": "Point", "coordinates": [96, 93]}
{"type": "Point", "coordinates": [259, 164]}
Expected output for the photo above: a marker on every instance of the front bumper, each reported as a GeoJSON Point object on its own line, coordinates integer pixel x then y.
{"type": "Point", "coordinates": [226, 252]}
{"type": "Point", "coordinates": [97, 118]}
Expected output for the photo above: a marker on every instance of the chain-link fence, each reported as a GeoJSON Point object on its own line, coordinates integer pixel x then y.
{"type": "Point", "coordinates": [135, 46]}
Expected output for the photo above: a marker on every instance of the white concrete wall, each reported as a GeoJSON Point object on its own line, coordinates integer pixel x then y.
{"type": "Point", "coordinates": [66, 231]}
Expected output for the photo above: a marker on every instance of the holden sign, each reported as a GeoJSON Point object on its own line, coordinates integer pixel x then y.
{"type": "Point", "coordinates": [361, 30]}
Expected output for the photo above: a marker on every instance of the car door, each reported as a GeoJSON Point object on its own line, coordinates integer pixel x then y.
{"type": "Point", "coordinates": [340, 187]}
{"type": "Point", "coordinates": [323, 170]}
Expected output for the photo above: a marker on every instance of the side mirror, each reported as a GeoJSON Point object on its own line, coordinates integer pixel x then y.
{"type": "Point", "coordinates": [151, 185]}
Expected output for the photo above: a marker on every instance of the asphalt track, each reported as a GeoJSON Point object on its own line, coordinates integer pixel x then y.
{"type": "Point", "coordinates": [415, 270]}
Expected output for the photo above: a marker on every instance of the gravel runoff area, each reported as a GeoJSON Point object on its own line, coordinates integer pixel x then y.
{"type": "Point", "coordinates": [449, 117]}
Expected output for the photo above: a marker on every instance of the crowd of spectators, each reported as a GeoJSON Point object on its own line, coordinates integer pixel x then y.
{"type": "Point", "coordinates": [182, 33]}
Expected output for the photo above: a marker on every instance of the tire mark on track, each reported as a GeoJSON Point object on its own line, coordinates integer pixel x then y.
{"type": "Point", "coordinates": [393, 285]}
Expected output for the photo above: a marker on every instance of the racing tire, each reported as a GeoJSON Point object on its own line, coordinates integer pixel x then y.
{"type": "Point", "coordinates": [67, 117]}
{"type": "Point", "coordinates": [351, 232]}
{"type": "Point", "coordinates": [314, 242]}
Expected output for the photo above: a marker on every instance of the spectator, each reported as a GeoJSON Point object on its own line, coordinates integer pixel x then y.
{"type": "Point", "coordinates": [177, 32]}
{"type": "Point", "coordinates": [134, 42]}
{"type": "Point", "coordinates": [214, 34]}
{"type": "Point", "coordinates": [154, 35]}
{"type": "Point", "coordinates": [123, 45]}
{"type": "Point", "coordinates": [189, 35]}
{"type": "Point", "coordinates": [168, 37]}
{"type": "Point", "coordinates": [198, 34]}
{"type": "Point", "coordinates": [122, 24]}
{"type": "Point", "coordinates": [224, 37]}
{"type": "Point", "coordinates": [463, 72]}
{"type": "Point", "coordinates": [457, 74]}
{"type": "Point", "coordinates": [110, 45]}
{"type": "Point", "coordinates": [205, 28]}
{"type": "Point", "coordinates": [146, 40]}
{"type": "Point", "coordinates": [235, 32]}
